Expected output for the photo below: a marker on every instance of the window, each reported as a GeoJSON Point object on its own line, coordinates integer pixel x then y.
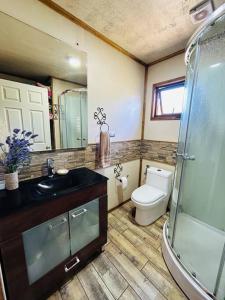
{"type": "Point", "coordinates": [167, 99]}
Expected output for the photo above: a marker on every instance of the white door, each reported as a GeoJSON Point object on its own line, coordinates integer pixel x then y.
{"type": "Point", "coordinates": [25, 107]}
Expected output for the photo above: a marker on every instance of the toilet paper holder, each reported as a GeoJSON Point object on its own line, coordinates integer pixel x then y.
{"type": "Point", "coordinates": [120, 179]}
{"type": "Point", "coordinates": [117, 170]}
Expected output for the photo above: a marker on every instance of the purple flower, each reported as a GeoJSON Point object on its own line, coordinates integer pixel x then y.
{"type": "Point", "coordinates": [28, 133]}
{"type": "Point", "coordinates": [16, 130]}
{"type": "Point", "coordinates": [18, 154]}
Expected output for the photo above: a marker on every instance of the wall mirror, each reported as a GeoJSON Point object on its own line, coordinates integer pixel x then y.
{"type": "Point", "coordinates": [43, 87]}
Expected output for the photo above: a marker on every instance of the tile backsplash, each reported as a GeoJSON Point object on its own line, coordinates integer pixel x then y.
{"type": "Point", "coordinates": [158, 151]}
{"type": "Point", "coordinates": [87, 157]}
{"type": "Point", "coordinates": [120, 152]}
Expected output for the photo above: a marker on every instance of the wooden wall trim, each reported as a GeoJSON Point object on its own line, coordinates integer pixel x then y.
{"type": "Point", "coordinates": [166, 57]}
{"type": "Point", "coordinates": [143, 117]}
{"type": "Point", "coordinates": [57, 8]}
{"type": "Point", "coordinates": [144, 103]}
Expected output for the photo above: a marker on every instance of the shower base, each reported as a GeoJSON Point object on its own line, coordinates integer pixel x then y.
{"type": "Point", "coordinates": [192, 290]}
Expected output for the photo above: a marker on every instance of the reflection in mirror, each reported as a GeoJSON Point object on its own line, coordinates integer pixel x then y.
{"type": "Point", "coordinates": [43, 87]}
{"type": "Point", "coordinates": [72, 118]}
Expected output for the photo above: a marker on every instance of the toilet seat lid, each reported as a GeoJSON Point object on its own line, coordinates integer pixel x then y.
{"type": "Point", "coordinates": [147, 194]}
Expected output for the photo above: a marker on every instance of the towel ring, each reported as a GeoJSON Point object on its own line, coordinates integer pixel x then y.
{"type": "Point", "coordinates": [103, 125]}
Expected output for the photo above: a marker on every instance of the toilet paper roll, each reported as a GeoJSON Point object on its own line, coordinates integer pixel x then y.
{"type": "Point", "coordinates": [123, 182]}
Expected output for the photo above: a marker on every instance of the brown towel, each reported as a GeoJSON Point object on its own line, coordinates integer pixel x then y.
{"type": "Point", "coordinates": [104, 149]}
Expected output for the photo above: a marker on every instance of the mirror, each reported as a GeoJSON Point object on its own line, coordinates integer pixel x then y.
{"type": "Point", "coordinates": [43, 87]}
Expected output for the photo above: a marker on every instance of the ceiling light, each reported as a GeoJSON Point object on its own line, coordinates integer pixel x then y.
{"type": "Point", "coordinates": [74, 62]}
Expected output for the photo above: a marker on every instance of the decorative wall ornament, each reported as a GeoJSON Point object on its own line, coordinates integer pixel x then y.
{"type": "Point", "coordinates": [118, 169]}
{"type": "Point", "coordinates": [100, 116]}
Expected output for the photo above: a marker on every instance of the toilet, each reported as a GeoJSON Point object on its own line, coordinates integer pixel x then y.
{"type": "Point", "coordinates": [151, 199]}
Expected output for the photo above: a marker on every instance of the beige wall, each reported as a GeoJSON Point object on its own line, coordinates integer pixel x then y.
{"type": "Point", "coordinates": [162, 130]}
{"type": "Point", "coordinates": [117, 194]}
{"type": "Point", "coordinates": [115, 82]}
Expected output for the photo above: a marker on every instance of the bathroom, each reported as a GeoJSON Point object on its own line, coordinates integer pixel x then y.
{"type": "Point", "coordinates": [132, 208]}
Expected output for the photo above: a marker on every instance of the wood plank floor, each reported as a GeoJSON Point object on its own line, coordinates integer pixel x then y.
{"type": "Point", "coordinates": [130, 268]}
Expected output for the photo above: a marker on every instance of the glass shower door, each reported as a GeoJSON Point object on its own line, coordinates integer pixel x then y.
{"type": "Point", "coordinates": [198, 237]}
{"type": "Point", "coordinates": [84, 121]}
{"type": "Point", "coordinates": [190, 76]}
{"type": "Point", "coordinates": [70, 121]}
{"type": "Point", "coordinates": [73, 119]}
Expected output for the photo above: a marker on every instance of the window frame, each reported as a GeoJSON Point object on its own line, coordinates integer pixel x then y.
{"type": "Point", "coordinates": [155, 87]}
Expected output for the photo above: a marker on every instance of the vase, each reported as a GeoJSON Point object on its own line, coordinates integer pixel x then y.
{"type": "Point", "coordinates": [11, 181]}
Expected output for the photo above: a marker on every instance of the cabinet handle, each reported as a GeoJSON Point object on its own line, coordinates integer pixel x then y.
{"type": "Point", "coordinates": [73, 265]}
{"type": "Point", "coordinates": [79, 212]}
{"type": "Point", "coordinates": [51, 227]}
{"type": "Point", "coordinates": [79, 139]}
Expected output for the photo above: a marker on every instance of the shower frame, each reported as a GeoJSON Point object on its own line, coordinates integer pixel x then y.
{"type": "Point", "coordinates": [190, 285]}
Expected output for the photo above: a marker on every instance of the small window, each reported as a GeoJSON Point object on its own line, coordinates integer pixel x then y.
{"type": "Point", "coordinates": [167, 99]}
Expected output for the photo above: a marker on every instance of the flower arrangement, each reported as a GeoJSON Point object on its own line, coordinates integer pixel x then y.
{"type": "Point", "coordinates": [18, 154]}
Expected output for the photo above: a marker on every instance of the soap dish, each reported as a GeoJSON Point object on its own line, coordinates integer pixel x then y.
{"type": "Point", "coordinates": [62, 171]}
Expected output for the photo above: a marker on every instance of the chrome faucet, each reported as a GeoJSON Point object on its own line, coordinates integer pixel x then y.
{"type": "Point", "coordinates": [50, 167]}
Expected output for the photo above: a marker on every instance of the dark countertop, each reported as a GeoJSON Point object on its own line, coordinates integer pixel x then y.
{"type": "Point", "coordinates": [28, 196]}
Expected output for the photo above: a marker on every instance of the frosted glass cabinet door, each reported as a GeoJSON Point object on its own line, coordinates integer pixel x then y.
{"type": "Point", "coordinates": [84, 225]}
{"type": "Point", "coordinates": [45, 246]}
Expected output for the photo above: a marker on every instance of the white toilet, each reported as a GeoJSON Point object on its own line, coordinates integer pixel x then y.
{"type": "Point", "coordinates": [151, 199]}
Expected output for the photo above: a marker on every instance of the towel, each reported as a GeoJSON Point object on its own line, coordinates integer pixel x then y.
{"type": "Point", "coordinates": [104, 149]}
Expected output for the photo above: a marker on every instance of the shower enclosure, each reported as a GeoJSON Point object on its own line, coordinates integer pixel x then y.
{"type": "Point", "coordinates": [73, 118]}
{"type": "Point", "coordinates": [194, 236]}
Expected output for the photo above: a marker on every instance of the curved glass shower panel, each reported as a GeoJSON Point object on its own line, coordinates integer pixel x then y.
{"type": "Point", "coordinates": [191, 70]}
{"type": "Point", "coordinates": [200, 221]}
{"type": "Point", "coordinates": [73, 119]}
{"type": "Point", "coordinates": [84, 121]}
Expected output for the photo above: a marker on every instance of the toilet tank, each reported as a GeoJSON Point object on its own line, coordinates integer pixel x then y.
{"type": "Point", "coordinates": [160, 179]}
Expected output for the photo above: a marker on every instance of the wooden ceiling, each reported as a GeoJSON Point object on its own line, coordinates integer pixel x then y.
{"type": "Point", "coordinates": [146, 30]}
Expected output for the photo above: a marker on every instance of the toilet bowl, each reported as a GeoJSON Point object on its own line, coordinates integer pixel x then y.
{"type": "Point", "coordinates": [151, 199]}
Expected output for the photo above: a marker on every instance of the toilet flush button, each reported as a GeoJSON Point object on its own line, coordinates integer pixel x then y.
{"type": "Point", "coordinates": [159, 170]}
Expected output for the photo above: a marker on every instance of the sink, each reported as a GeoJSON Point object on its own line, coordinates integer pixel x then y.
{"type": "Point", "coordinates": [53, 185]}
{"type": "Point", "coordinates": [59, 184]}
{"type": "Point", "coordinates": [56, 184]}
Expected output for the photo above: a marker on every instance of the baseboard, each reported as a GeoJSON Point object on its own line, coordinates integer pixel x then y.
{"type": "Point", "coordinates": [112, 209]}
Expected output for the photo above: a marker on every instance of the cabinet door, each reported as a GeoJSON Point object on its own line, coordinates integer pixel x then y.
{"type": "Point", "coordinates": [84, 225]}
{"type": "Point", "coordinates": [45, 246]}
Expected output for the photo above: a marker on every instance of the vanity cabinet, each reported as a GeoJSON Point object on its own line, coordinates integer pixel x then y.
{"type": "Point", "coordinates": [42, 246]}
{"type": "Point", "coordinates": [85, 220]}
{"type": "Point", "coordinates": [48, 244]}
{"type": "Point", "coordinates": [45, 246]}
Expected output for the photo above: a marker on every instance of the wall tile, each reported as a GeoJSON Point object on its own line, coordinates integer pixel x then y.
{"type": "Point", "coordinates": [120, 152]}
{"type": "Point", "coordinates": [88, 157]}
{"type": "Point", "coordinates": [158, 151]}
